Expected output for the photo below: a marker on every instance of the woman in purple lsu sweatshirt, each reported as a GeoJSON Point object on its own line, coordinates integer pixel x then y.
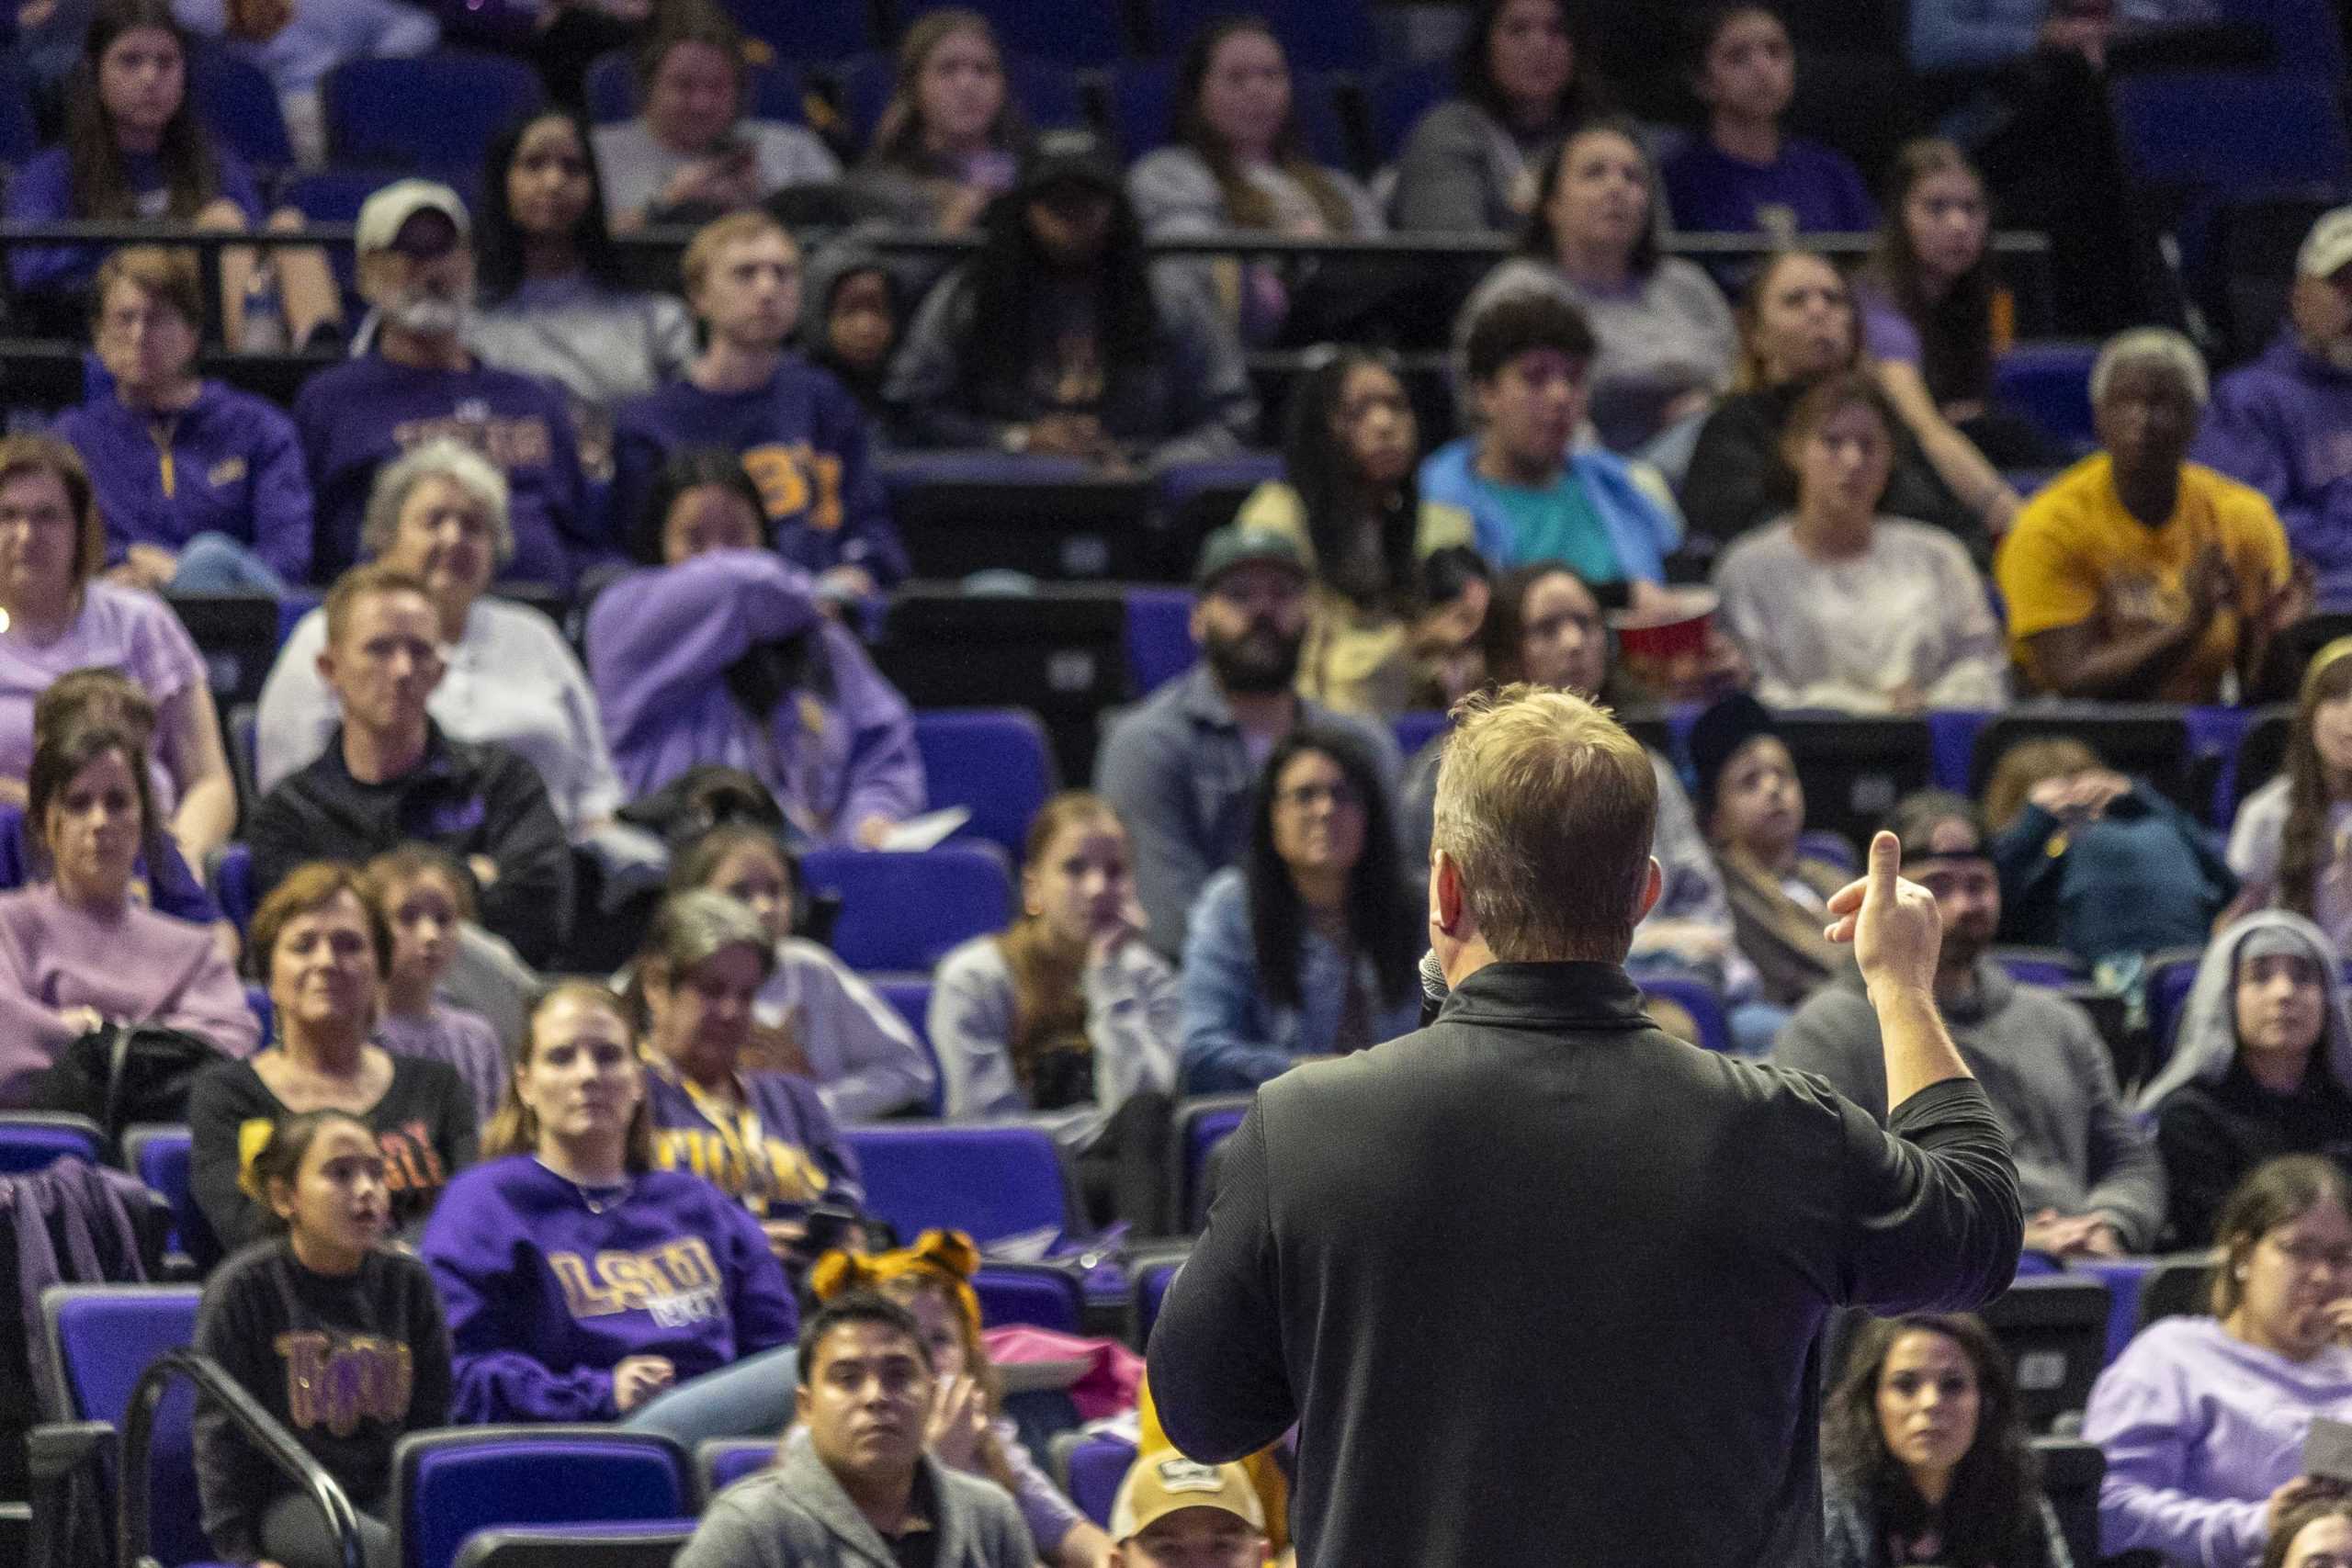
{"type": "Point", "coordinates": [582, 1284]}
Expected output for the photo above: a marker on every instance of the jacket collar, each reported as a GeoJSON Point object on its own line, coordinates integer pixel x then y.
{"type": "Point", "coordinates": [438, 761]}
{"type": "Point", "coordinates": [820, 1495]}
{"type": "Point", "coordinates": [1591, 996]}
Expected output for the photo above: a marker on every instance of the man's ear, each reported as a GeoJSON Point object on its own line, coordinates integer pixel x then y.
{"type": "Point", "coordinates": [1447, 909]}
{"type": "Point", "coordinates": [1653, 889]}
{"type": "Point", "coordinates": [326, 666]}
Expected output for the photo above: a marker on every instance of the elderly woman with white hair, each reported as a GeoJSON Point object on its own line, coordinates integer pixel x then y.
{"type": "Point", "coordinates": [2137, 575]}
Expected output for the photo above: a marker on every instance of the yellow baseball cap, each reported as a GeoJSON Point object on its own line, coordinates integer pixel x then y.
{"type": "Point", "coordinates": [1171, 1484]}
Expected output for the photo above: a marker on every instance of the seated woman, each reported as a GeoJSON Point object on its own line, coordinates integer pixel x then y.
{"type": "Point", "coordinates": [2202, 1418]}
{"type": "Point", "coordinates": [136, 149]}
{"type": "Point", "coordinates": [336, 1335]}
{"type": "Point", "coordinates": [1236, 161]}
{"type": "Point", "coordinates": [2137, 575]}
{"type": "Point", "coordinates": [201, 486]}
{"type": "Point", "coordinates": [2261, 1067]}
{"type": "Point", "coordinates": [969, 1431]}
{"type": "Point", "coordinates": [2314, 1534]}
{"type": "Point", "coordinates": [1741, 173]}
{"type": "Point", "coordinates": [2291, 845]}
{"type": "Point", "coordinates": [950, 140]}
{"type": "Point", "coordinates": [690, 155]}
{"type": "Point", "coordinates": [1925, 1456]}
{"type": "Point", "coordinates": [555, 301]}
{"type": "Point", "coordinates": [1348, 496]}
{"type": "Point", "coordinates": [1798, 326]}
{"type": "Point", "coordinates": [1665, 336]}
{"type": "Point", "coordinates": [425, 900]}
{"type": "Point", "coordinates": [1058, 338]}
{"type": "Point", "coordinates": [582, 1282]}
{"type": "Point", "coordinates": [720, 652]}
{"type": "Point", "coordinates": [61, 617]}
{"type": "Point", "coordinates": [322, 952]}
{"type": "Point", "coordinates": [2099, 864]}
{"type": "Point", "coordinates": [1308, 947]}
{"type": "Point", "coordinates": [1840, 606]}
{"type": "Point", "coordinates": [814, 1017]}
{"type": "Point", "coordinates": [78, 950]}
{"type": "Point", "coordinates": [1752, 805]}
{"type": "Point", "coordinates": [1068, 1016]}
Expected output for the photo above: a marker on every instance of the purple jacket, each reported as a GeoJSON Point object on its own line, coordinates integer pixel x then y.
{"type": "Point", "coordinates": [801, 1159]}
{"type": "Point", "coordinates": [2283, 425]}
{"type": "Point", "coordinates": [546, 1296]}
{"type": "Point", "coordinates": [838, 748]}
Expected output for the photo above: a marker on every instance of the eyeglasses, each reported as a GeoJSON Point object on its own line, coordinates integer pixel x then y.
{"type": "Point", "coordinates": [1307, 797]}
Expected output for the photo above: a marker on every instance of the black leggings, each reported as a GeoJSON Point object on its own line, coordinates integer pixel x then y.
{"type": "Point", "coordinates": [1124, 1174]}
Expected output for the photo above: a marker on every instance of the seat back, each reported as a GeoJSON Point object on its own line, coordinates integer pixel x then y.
{"type": "Point", "coordinates": [2261, 757]}
{"type": "Point", "coordinates": [1855, 770]}
{"type": "Point", "coordinates": [239, 106]}
{"type": "Point", "coordinates": [160, 1155]}
{"type": "Point", "coordinates": [2169, 977]}
{"type": "Point", "coordinates": [448, 1484]}
{"type": "Point", "coordinates": [2150, 743]}
{"type": "Point", "coordinates": [31, 1140]}
{"type": "Point", "coordinates": [2072, 1470]}
{"type": "Point", "coordinates": [2052, 966]}
{"type": "Point", "coordinates": [2179, 1287]}
{"type": "Point", "coordinates": [1037, 1295]}
{"type": "Point", "coordinates": [1096, 1466]}
{"type": "Point", "coordinates": [720, 1462]}
{"type": "Point", "coordinates": [905, 910]}
{"type": "Point", "coordinates": [228, 872]}
{"type": "Point", "coordinates": [101, 1340]}
{"type": "Point", "coordinates": [2051, 383]}
{"type": "Point", "coordinates": [993, 762]}
{"type": "Point", "coordinates": [991, 1180]}
{"type": "Point", "coordinates": [809, 30]}
{"type": "Point", "coordinates": [1152, 1280]}
{"type": "Point", "coordinates": [1158, 638]}
{"type": "Point", "coordinates": [655, 1544]}
{"type": "Point", "coordinates": [1201, 1123]}
{"type": "Point", "coordinates": [432, 113]}
{"type": "Point", "coordinates": [2055, 1328]}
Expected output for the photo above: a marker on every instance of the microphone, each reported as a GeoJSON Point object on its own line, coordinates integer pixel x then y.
{"type": "Point", "coordinates": [1433, 988]}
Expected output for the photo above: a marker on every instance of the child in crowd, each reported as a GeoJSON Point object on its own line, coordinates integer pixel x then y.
{"type": "Point", "coordinates": [1741, 173]}
{"type": "Point", "coordinates": [424, 898]}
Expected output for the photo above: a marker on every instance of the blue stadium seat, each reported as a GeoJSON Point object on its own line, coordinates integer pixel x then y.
{"type": "Point", "coordinates": [160, 1155]}
{"type": "Point", "coordinates": [100, 1339]}
{"type": "Point", "coordinates": [2051, 384]}
{"type": "Point", "coordinates": [257, 999]}
{"type": "Point", "coordinates": [1415, 730]}
{"type": "Point", "coordinates": [228, 872]}
{"type": "Point", "coordinates": [432, 114]}
{"type": "Point", "coordinates": [1035, 1294]}
{"type": "Point", "coordinates": [1699, 999]}
{"type": "Point", "coordinates": [1400, 97]}
{"type": "Point", "coordinates": [240, 104]}
{"type": "Point", "coordinates": [910, 997]}
{"type": "Point", "coordinates": [720, 1462]}
{"type": "Point", "coordinates": [2049, 966]}
{"type": "Point", "coordinates": [809, 30]}
{"type": "Point", "coordinates": [1317, 35]}
{"type": "Point", "coordinates": [2306, 33]}
{"type": "Point", "coordinates": [1160, 637]}
{"type": "Point", "coordinates": [996, 762]}
{"type": "Point", "coordinates": [332, 196]}
{"type": "Point", "coordinates": [1152, 1280]}
{"type": "Point", "coordinates": [905, 910]}
{"type": "Point", "coordinates": [2169, 978]}
{"type": "Point", "coordinates": [1047, 92]}
{"type": "Point", "coordinates": [1202, 1122]}
{"type": "Point", "coordinates": [34, 1140]}
{"type": "Point", "coordinates": [1068, 34]}
{"type": "Point", "coordinates": [449, 1483]}
{"type": "Point", "coordinates": [988, 1179]}
{"type": "Point", "coordinates": [1097, 1464]}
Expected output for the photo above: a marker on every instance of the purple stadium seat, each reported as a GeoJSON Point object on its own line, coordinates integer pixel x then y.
{"type": "Point", "coordinates": [1201, 1123]}
{"type": "Point", "coordinates": [160, 1155]}
{"type": "Point", "coordinates": [1415, 730]}
{"type": "Point", "coordinates": [722, 1461]}
{"type": "Point", "coordinates": [2051, 383]}
{"type": "Point", "coordinates": [2168, 982]}
{"type": "Point", "coordinates": [448, 1484]}
{"type": "Point", "coordinates": [2049, 966]}
{"type": "Point", "coordinates": [1835, 848]}
{"type": "Point", "coordinates": [32, 1140]}
{"type": "Point", "coordinates": [240, 105]}
{"type": "Point", "coordinates": [1151, 1289]}
{"type": "Point", "coordinates": [432, 114]}
{"type": "Point", "coordinates": [910, 996]}
{"type": "Point", "coordinates": [1160, 637]}
{"type": "Point", "coordinates": [905, 910]}
{"type": "Point", "coordinates": [1036, 1294]}
{"type": "Point", "coordinates": [1699, 999]}
{"type": "Point", "coordinates": [1097, 1465]}
{"type": "Point", "coordinates": [995, 761]}
{"type": "Point", "coordinates": [101, 1340]}
{"type": "Point", "coordinates": [988, 1180]}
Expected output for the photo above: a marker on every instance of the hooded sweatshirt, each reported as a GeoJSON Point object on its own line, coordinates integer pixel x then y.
{"type": "Point", "coordinates": [549, 1286]}
{"type": "Point", "coordinates": [2283, 425]}
{"type": "Point", "coordinates": [2214, 1123]}
{"type": "Point", "coordinates": [778, 1149]}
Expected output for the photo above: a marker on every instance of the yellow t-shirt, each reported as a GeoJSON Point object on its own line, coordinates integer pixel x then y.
{"type": "Point", "coordinates": [2075, 555]}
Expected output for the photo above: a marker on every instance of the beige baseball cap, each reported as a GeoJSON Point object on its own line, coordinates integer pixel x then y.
{"type": "Point", "coordinates": [381, 215]}
{"type": "Point", "coordinates": [2328, 247]}
{"type": "Point", "coordinates": [1156, 1488]}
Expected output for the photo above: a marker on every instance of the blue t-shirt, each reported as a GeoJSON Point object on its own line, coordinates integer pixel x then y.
{"type": "Point", "coordinates": [1557, 523]}
{"type": "Point", "coordinates": [1809, 188]}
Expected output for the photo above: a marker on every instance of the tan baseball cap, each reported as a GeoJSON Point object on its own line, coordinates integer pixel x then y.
{"type": "Point", "coordinates": [1156, 1488]}
{"type": "Point", "coordinates": [381, 215]}
{"type": "Point", "coordinates": [2328, 247]}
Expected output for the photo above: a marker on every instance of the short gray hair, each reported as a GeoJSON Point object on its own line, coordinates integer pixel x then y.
{"type": "Point", "coordinates": [2150, 345]}
{"type": "Point", "coordinates": [443, 457]}
{"type": "Point", "coordinates": [691, 927]}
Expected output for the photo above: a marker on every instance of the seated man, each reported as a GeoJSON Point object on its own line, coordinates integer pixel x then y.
{"type": "Point", "coordinates": [2283, 424]}
{"type": "Point", "coordinates": [416, 267]}
{"type": "Point", "coordinates": [2088, 1176]}
{"type": "Point", "coordinates": [862, 1489]}
{"type": "Point", "coordinates": [201, 486]}
{"type": "Point", "coordinates": [390, 776]}
{"type": "Point", "coordinates": [1174, 1513]}
{"type": "Point", "coordinates": [2136, 575]}
{"type": "Point", "coordinates": [802, 435]}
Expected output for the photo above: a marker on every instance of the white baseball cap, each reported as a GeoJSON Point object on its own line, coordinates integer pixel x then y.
{"type": "Point", "coordinates": [2328, 247]}
{"type": "Point", "coordinates": [382, 214]}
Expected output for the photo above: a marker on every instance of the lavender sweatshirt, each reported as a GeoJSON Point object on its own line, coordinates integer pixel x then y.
{"type": "Point", "coordinates": [660, 643]}
{"type": "Point", "coordinates": [2283, 425]}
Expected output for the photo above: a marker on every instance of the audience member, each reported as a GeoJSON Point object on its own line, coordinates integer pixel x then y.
{"type": "Point", "coordinates": [2291, 845]}
{"type": "Point", "coordinates": [201, 487]}
{"type": "Point", "coordinates": [691, 154]}
{"type": "Point", "coordinates": [1454, 587]}
{"type": "Point", "coordinates": [389, 774]}
{"type": "Point", "coordinates": [1058, 338]}
{"type": "Point", "coordinates": [1925, 1456]}
{"type": "Point", "coordinates": [1740, 173]}
{"type": "Point", "coordinates": [2261, 1067]}
{"type": "Point", "coordinates": [322, 952]}
{"type": "Point", "coordinates": [722, 652]}
{"type": "Point", "coordinates": [1069, 1016]}
{"type": "Point", "coordinates": [2096, 864]}
{"type": "Point", "coordinates": [584, 1282]}
{"type": "Point", "coordinates": [1752, 804]}
{"type": "Point", "coordinates": [968, 1430]}
{"type": "Point", "coordinates": [1798, 327]}
{"type": "Point", "coordinates": [419, 381]}
{"type": "Point", "coordinates": [800, 433]}
{"type": "Point", "coordinates": [1664, 337]}
{"type": "Point", "coordinates": [1172, 1513]}
{"type": "Point", "coordinates": [2089, 1179]}
{"type": "Point", "coordinates": [135, 150]}
{"type": "Point", "coordinates": [2202, 1419]}
{"type": "Point", "coordinates": [1348, 497]}
{"type": "Point", "coordinates": [2281, 422]}
{"type": "Point", "coordinates": [814, 1016]}
{"type": "Point", "coordinates": [861, 306]}
{"type": "Point", "coordinates": [1237, 160]}
{"type": "Point", "coordinates": [56, 616]}
{"type": "Point", "coordinates": [79, 953]}
{"type": "Point", "coordinates": [2137, 574]}
{"type": "Point", "coordinates": [1308, 948]}
{"type": "Point", "coordinates": [557, 299]}
{"type": "Point", "coordinates": [1179, 768]}
{"type": "Point", "coordinates": [2317, 1532]}
{"type": "Point", "coordinates": [862, 1484]}
{"type": "Point", "coordinates": [1470, 164]}
{"type": "Point", "coordinates": [425, 900]}
{"type": "Point", "coordinates": [1529, 362]}
{"type": "Point", "coordinates": [950, 138]}
{"type": "Point", "coordinates": [338, 1336]}
{"type": "Point", "coordinates": [298, 46]}
{"type": "Point", "coordinates": [1838, 605]}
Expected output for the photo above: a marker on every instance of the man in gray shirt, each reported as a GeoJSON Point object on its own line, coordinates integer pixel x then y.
{"type": "Point", "coordinates": [2088, 1179]}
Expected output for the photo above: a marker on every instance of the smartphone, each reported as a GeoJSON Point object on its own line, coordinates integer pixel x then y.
{"type": "Point", "coordinates": [2327, 1451]}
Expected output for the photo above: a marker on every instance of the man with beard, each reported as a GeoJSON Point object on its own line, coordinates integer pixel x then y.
{"type": "Point", "coordinates": [2089, 1179]}
{"type": "Point", "coordinates": [416, 268]}
{"type": "Point", "coordinates": [1179, 767]}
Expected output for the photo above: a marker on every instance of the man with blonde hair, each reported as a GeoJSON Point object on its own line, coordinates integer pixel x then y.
{"type": "Point", "coordinates": [1540, 1283]}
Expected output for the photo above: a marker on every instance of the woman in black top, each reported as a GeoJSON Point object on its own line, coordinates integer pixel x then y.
{"type": "Point", "coordinates": [338, 1336]}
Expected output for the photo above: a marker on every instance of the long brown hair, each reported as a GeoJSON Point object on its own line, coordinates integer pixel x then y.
{"type": "Point", "coordinates": [64, 752]}
{"type": "Point", "coordinates": [897, 135]}
{"type": "Point", "coordinates": [1049, 998]}
{"type": "Point", "coordinates": [2277, 1193]}
{"type": "Point", "coordinates": [1244, 205]}
{"type": "Point", "coordinates": [1956, 332]}
{"type": "Point", "coordinates": [514, 1129]}
{"type": "Point", "coordinates": [99, 178]}
{"type": "Point", "coordinates": [2304, 843]}
{"type": "Point", "coordinates": [2299, 1519]}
